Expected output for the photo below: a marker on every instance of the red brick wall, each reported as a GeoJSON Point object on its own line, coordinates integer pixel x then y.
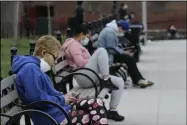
{"type": "Point", "coordinates": [160, 14]}
{"type": "Point", "coordinates": [175, 13]}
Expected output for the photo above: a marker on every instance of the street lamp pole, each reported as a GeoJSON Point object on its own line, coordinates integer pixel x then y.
{"type": "Point", "coordinates": [144, 17]}
{"type": "Point", "coordinates": [16, 22]}
{"type": "Point", "coordinates": [49, 17]}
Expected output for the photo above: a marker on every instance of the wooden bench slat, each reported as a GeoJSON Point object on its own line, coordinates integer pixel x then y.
{"type": "Point", "coordinates": [58, 79]}
{"type": "Point", "coordinates": [60, 65]}
{"type": "Point", "coordinates": [10, 97]}
{"type": "Point", "coordinates": [7, 82]}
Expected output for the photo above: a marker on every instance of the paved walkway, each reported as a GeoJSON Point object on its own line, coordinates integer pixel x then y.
{"type": "Point", "coordinates": [163, 62]}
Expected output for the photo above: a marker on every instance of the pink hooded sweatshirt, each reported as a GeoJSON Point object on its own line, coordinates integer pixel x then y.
{"type": "Point", "coordinates": [75, 53]}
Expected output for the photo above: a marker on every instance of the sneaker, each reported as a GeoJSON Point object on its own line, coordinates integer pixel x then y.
{"type": "Point", "coordinates": [113, 115]}
{"type": "Point", "coordinates": [150, 83]}
{"type": "Point", "coordinates": [139, 86]}
{"type": "Point", "coordinates": [145, 83]}
{"type": "Point", "coordinates": [108, 84]}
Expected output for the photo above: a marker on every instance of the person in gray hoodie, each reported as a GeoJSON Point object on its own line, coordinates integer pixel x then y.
{"type": "Point", "coordinates": [108, 38]}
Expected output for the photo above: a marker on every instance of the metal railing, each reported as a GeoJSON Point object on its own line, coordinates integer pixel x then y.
{"type": "Point", "coordinates": [158, 34]}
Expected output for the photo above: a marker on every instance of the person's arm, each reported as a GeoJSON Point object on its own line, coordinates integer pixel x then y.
{"type": "Point", "coordinates": [112, 42]}
{"type": "Point", "coordinates": [76, 53]}
{"type": "Point", "coordinates": [33, 85]}
{"type": "Point", "coordinates": [119, 50]}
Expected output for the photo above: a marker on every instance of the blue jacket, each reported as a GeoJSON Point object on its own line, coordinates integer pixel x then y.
{"type": "Point", "coordinates": [34, 85]}
{"type": "Point", "coordinates": [108, 38]}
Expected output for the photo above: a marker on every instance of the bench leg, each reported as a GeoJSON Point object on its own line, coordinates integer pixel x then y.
{"type": "Point", "coordinates": [27, 120]}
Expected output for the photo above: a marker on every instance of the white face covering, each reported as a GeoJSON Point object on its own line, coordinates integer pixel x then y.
{"type": "Point", "coordinates": [44, 66]}
{"type": "Point", "coordinates": [85, 41]}
{"type": "Point", "coordinates": [120, 34]}
{"type": "Point", "coordinates": [132, 16]}
{"type": "Point", "coordinates": [125, 7]}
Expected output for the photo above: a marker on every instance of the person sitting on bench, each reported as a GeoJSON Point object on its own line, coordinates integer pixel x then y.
{"type": "Point", "coordinates": [172, 32]}
{"type": "Point", "coordinates": [122, 35]}
{"type": "Point", "coordinates": [108, 39]}
{"type": "Point", "coordinates": [78, 57]}
{"type": "Point", "coordinates": [33, 85]}
{"type": "Point", "coordinates": [88, 44]}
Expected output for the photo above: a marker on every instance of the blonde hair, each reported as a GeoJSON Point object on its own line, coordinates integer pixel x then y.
{"type": "Point", "coordinates": [48, 43]}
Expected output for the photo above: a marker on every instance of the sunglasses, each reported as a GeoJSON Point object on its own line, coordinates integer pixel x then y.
{"type": "Point", "coordinates": [54, 57]}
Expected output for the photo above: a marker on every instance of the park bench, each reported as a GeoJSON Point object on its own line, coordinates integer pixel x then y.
{"type": "Point", "coordinates": [63, 79]}
{"type": "Point", "coordinates": [62, 75]}
{"type": "Point", "coordinates": [116, 68]}
{"type": "Point", "coordinates": [12, 108]}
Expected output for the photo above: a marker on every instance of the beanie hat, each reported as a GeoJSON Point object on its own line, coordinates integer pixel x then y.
{"type": "Point", "coordinates": [124, 24]}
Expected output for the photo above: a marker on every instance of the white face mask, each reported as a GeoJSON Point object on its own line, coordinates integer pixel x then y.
{"type": "Point", "coordinates": [125, 7]}
{"type": "Point", "coordinates": [121, 34]}
{"type": "Point", "coordinates": [85, 41]}
{"type": "Point", "coordinates": [132, 16]}
{"type": "Point", "coordinates": [44, 66]}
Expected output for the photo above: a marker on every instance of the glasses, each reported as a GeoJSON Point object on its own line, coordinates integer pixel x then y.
{"type": "Point", "coordinates": [54, 57]}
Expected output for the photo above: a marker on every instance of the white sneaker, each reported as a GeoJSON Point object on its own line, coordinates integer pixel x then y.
{"type": "Point", "coordinates": [145, 83]}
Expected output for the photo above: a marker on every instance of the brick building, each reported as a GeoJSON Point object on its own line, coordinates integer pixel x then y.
{"type": "Point", "coordinates": [160, 14]}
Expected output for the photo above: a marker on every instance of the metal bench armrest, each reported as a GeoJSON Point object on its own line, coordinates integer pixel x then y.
{"type": "Point", "coordinates": [17, 116]}
{"type": "Point", "coordinates": [32, 105]}
{"type": "Point", "coordinates": [94, 85]}
{"type": "Point", "coordinates": [114, 51]}
{"type": "Point", "coordinates": [88, 69]}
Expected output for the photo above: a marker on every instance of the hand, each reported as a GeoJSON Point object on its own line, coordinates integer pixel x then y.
{"type": "Point", "coordinates": [128, 52]}
{"type": "Point", "coordinates": [69, 98]}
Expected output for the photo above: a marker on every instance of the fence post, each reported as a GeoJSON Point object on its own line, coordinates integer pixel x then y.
{"type": "Point", "coordinates": [58, 36]}
{"type": "Point", "coordinates": [13, 52]}
{"type": "Point", "coordinates": [32, 47]}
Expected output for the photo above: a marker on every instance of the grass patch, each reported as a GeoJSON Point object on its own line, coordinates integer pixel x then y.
{"type": "Point", "coordinates": [6, 44]}
{"type": "Point", "coordinates": [23, 49]}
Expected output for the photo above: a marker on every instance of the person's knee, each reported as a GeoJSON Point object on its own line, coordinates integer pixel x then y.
{"type": "Point", "coordinates": [101, 50]}
{"type": "Point", "coordinates": [120, 83]}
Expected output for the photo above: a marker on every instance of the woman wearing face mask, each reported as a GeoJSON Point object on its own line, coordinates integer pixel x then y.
{"type": "Point", "coordinates": [89, 42]}
{"type": "Point", "coordinates": [33, 85]}
{"type": "Point", "coordinates": [78, 57]}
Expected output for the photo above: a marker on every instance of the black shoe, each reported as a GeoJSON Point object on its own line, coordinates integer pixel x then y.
{"type": "Point", "coordinates": [113, 115]}
{"type": "Point", "coordinates": [108, 84]}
